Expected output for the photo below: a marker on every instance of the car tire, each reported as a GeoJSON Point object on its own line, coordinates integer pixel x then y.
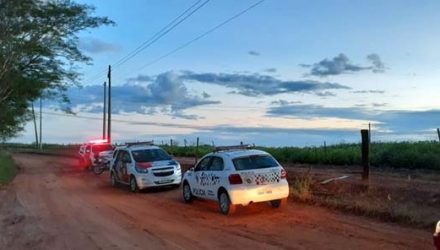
{"type": "Point", "coordinates": [225, 205]}
{"type": "Point", "coordinates": [133, 184]}
{"type": "Point", "coordinates": [113, 179]}
{"type": "Point", "coordinates": [281, 203]}
{"type": "Point", "coordinates": [97, 169]}
{"type": "Point", "coordinates": [186, 193]}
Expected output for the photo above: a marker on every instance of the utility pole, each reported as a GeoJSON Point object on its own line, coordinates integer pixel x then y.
{"type": "Point", "coordinates": [41, 124]}
{"type": "Point", "coordinates": [35, 126]}
{"type": "Point", "coordinates": [109, 106]}
{"type": "Point", "coordinates": [104, 111]}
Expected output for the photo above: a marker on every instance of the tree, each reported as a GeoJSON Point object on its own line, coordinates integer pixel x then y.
{"type": "Point", "coordinates": [39, 54]}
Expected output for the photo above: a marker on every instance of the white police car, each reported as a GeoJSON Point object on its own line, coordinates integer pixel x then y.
{"type": "Point", "coordinates": [142, 165]}
{"type": "Point", "coordinates": [237, 175]}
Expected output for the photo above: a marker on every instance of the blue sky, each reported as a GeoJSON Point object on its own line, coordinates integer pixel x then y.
{"type": "Point", "coordinates": [284, 73]}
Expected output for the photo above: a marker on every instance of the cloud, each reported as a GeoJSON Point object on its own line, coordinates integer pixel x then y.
{"type": "Point", "coordinates": [282, 102]}
{"type": "Point", "coordinates": [205, 95]}
{"type": "Point", "coordinates": [392, 120]}
{"type": "Point", "coordinates": [271, 70]}
{"type": "Point", "coordinates": [140, 79]}
{"type": "Point", "coordinates": [341, 64]}
{"type": "Point", "coordinates": [378, 65]}
{"type": "Point", "coordinates": [166, 94]}
{"type": "Point", "coordinates": [253, 53]}
{"type": "Point", "coordinates": [96, 46]}
{"type": "Point", "coordinates": [372, 91]}
{"type": "Point", "coordinates": [257, 85]}
{"type": "Point", "coordinates": [325, 94]}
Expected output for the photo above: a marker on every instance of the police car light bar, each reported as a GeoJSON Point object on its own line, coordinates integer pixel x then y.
{"type": "Point", "coordinates": [98, 141]}
{"type": "Point", "coordinates": [146, 143]}
{"type": "Point", "coordinates": [234, 147]}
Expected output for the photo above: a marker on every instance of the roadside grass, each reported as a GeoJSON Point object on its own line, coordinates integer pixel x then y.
{"type": "Point", "coordinates": [8, 170]}
{"type": "Point", "coordinates": [406, 204]}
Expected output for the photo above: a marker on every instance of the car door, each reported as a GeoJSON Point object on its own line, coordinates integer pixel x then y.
{"type": "Point", "coordinates": [199, 185]}
{"type": "Point", "coordinates": [123, 161]}
{"type": "Point", "coordinates": [213, 175]}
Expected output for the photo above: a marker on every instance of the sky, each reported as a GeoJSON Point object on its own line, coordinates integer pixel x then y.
{"type": "Point", "coordinates": [273, 73]}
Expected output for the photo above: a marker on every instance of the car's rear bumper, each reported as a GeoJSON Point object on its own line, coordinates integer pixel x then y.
{"type": "Point", "coordinates": [242, 195]}
{"type": "Point", "coordinates": [147, 180]}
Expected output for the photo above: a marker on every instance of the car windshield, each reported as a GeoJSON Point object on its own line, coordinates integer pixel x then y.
{"type": "Point", "coordinates": [254, 162]}
{"type": "Point", "coordinates": [149, 155]}
{"type": "Point", "coordinates": [101, 147]}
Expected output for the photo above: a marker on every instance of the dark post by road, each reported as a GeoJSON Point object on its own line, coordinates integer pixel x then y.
{"type": "Point", "coordinates": [104, 112]}
{"type": "Point", "coordinates": [171, 142]}
{"type": "Point", "coordinates": [197, 150]}
{"type": "Point", "coordinates": [41, 124]}
{"type": "Point", "coordinates": [438, 133]}
{"type": "Point", "coordinates": [109, 106]}
{"type": "Point", "coordinates": [365, 154]}
{"type": "Point", "coordinates": [35, 126]}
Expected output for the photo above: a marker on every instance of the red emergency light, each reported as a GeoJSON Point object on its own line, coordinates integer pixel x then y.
{"type": "Point", "coordinates": [97, 141]}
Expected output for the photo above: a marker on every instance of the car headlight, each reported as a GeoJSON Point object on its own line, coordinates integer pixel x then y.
{"type": "Point", "coordinates": [141, 170]}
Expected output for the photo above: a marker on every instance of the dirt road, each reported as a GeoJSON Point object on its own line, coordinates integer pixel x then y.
{"type": "Point", "coordinates": [53, 205]}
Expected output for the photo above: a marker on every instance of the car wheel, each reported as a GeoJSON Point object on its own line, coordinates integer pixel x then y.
{"type": "Point", "coordinates": [187, 195]}
{"type": "Point", "coordinates": [279, 203]}
{"type": "Point", "coordinates": [225, 205]}
{"type": "Point", "coordinates": [98, 169]}
{"type": "Point", "coordinates": [113, 179]}
{"type": "Point", "coordinates": [133, 185]}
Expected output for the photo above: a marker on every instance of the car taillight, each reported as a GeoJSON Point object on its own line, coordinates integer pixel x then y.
{"type": "Point", "coordinates": [283, 174]}
{"type": "Point", "coordinates": [235, 179]}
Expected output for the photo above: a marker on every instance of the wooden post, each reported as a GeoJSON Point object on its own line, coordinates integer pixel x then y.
{"type": "Point", "coordinates": [438, 133]}
{"type": "Point", "coordinates": [109, 106]}
{"type": "Point", "coordinates": [104, 112]}
{"type": "Point", "coordinates": [197, 150]}
{"type": "Point", "coordinates": [41, 125]}
{"type": "Point", "coordinates": [365, 154]}
{"type": "Point", "coordinates": [35, 126]}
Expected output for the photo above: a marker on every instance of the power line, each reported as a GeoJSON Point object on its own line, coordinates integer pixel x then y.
{"type": "Point", "coordinates": [162, 32]}
{"type": "Point", "coordinates": [147, 44]}
{"type": "Point", "coordinates": [202, 35]}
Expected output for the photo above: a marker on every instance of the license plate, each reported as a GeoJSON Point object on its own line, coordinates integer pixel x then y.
{"type": "Point", "coordinates": [263, 192]}
{"type": "Point", "coordinates": [165, 181]}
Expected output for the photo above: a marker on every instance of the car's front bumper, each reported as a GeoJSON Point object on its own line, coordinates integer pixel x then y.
{"type": "Point", "coordinates": [149, 180]}
{"type": "Point", "coordinates": [244, 195]}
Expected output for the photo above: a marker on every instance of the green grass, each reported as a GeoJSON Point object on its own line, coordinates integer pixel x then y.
{"type": "Point", "coordinates": [409, 155]}
{"type": "Point", "coordinates": [8, 169]}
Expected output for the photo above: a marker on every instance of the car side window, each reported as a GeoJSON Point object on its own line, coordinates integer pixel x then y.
{"type": "Point", "coordinates": [126, 157]}
{"type": "Point", "coordinates": [203, 164]}
{"type": "Point", "coordinates": [216, 164]}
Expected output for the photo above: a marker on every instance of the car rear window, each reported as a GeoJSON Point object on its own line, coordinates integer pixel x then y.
{"type": "Point", "coordinates": [149, 155]}
{"type": "Point", "coordinates": [254, 162]}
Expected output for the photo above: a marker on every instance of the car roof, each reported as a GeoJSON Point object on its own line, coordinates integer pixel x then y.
{"type": "Point", "coordinates": [238, 153]}
{"type": "Point", "coordinates": [138, 147]}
